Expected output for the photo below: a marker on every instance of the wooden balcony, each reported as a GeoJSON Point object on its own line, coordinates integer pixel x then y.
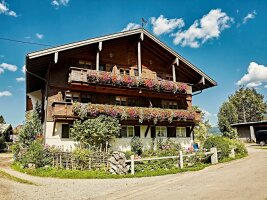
{"type": "Point", "coordinates": [62, 110]}
{"type": "Point", "coordinates": [79, 76]}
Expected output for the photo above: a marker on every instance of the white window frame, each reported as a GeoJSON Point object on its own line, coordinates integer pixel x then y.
{"type": "Point", "coordinates": [162, 129]}
{"type": "Point", "coordinates": [181, 132]}
{"type": "Point", "coordinates": [127, 131]}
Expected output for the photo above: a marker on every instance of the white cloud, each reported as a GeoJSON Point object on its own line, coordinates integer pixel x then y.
{"type": "Point", "coordinates": [1, 71]}
{"type": "Point", "coordinates": [23, 69]}
{"type": "Point", "coordinates": [4, 9]}
{"type": "Point", "coordinates": [250, 15]}
{"type": "Point", "coordinates": [206, 113]}
{"type": "Point", "coordinates": [208, 27]}
{"type": "Point", "coordinates": [58, 3]}
{"type": "Point", "coordinates": [9, 67]}
{"type": "Point", "coordinates": [131, 26]}
{"type": "Point", "coordinates": [162, 25]}
{"type": "Point", "coordinates": [20, 79]}
{"type": "Point", "coordinates": [39, 36]}
{"type": "Point", "coordinates": [5, 94]}
{"type": "Point", "coordinates": [256, 76]}
{"type": "Point", "coordinates": [265, 86]}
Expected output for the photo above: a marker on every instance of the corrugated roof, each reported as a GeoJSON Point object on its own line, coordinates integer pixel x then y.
{"type": "Point", "coordinates": [250, 123]}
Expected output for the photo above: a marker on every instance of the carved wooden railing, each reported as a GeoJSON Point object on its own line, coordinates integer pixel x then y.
{"type": "Point", "coordinates": [87, 76]}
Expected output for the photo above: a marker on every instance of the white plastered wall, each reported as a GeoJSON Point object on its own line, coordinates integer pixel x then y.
{"type": "Point", "coordinates": [36, 97]}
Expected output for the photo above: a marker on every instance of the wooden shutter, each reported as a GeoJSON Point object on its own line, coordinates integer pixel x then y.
{"type": "Point", "coordinates": [171, 131]}
{"type": "Point", "coordinates": [153, 131]}
{"type": "Point", "coordinates": [188, 132]}
{"type": "Point", "coordinates": [137, 131]}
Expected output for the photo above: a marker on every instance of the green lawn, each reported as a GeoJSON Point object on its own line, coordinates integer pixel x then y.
{"type": "Point", "coordinates": [98, 174]}
{"type": "Point", "coordinates": [13, 178]}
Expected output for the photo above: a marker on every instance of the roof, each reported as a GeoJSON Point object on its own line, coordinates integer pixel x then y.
{"type": "Point", "coordinates": [47, 55]}
{"type": "Point", "coordinates": [4, 127]}
{"type": "Point", "coordinates": [263, 122]}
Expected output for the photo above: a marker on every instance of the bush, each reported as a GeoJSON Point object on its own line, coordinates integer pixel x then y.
{"type": "Point", "coordinates": [81, 156]}
{"type": "Point", "coordinates": [225, 145]}
{"type": "Point", "coordinates": [128, 154]}
{"type": "Point", "coordinates": [136, 145]}
{"type": "Point", "coordinates": [36, 154]}
{"type": "Point", "coordinates": [221, 143]}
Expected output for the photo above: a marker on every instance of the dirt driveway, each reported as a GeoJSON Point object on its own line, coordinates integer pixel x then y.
{"type": "Point", "coordinates": [241, 179]}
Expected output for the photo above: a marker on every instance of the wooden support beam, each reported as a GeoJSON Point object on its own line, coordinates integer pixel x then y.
{"type": "Point", "coordinates": [139, 59]}
{"type": "Point", "coordinates": [173, 73]}
{"type": "Point", "coordinates": [55, 57]}
{"type": "Point", "coordinates": [97, 55]}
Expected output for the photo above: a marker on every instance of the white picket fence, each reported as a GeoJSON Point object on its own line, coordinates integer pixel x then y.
{"type": "Point", "coordinates": [213, 152]}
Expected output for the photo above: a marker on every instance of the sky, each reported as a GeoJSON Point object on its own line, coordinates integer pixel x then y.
{"type": "Point", "coordinates": [225, 39]}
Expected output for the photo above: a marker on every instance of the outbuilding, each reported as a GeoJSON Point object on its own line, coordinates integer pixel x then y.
{"type": "Point", "coordinates": [246, 130]}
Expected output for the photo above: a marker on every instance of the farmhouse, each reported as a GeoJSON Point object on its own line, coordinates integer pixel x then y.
{"type": "Point", "coordinates": [130, 75]}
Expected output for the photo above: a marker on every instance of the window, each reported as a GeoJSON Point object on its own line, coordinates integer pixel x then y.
{"type": "Point", "coordinates": [127, 72]}
{"type": "Point", "coordinates": [124, 71]}
{"type": "Point", "coordinates": [131, 101]}
{"type": "Point", "coordinates": [180, 132]}
{"type": "Point", "coordinates": [65, 131]}
{"type": "Point", "coordinates": [72, 97]}
{"type": "Point", "coordinates": [102, 67]}
{"type": "Point", "coordinates": [127, 131]}
{"type": "Point", "coordinates": [121, 101]}
{"type": "Point", "coordinates": [168, 77]}
{"type": "Point", "coordinates": [161, 131]}
{"type": "Point", "coordinates": [125, 101]}
{"type": "Point", "coordinates": [85, 98]}
{"type": "Point", "coordinates": [136, 72]}
{"type": "Point", "coordinates": [169, 104]}
{"type": "Point", "coordinates": [85, 64]}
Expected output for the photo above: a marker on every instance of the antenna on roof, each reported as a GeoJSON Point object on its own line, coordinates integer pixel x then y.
{"type": "Point", "coordinates": [143, 22]}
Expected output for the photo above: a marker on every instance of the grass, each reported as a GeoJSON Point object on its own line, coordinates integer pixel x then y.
{"type": "Point", "coordinates": [98, 174]}
{"type": "Point", "coordinates": [16, 179]}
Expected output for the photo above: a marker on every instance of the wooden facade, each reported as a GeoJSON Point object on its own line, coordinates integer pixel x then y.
{"type": "Point", "coordinates": [131, 69]}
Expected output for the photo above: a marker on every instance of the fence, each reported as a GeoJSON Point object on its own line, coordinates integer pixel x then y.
{"type": "Point", "coordinates": [213, 152]}
{"type": "Point", "coordinates": [67, 160]}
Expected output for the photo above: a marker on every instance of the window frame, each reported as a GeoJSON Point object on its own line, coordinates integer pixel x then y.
{"type": "Point", "coordinates": [61, 134]}
{"type": "Point", "coordinates": [179, 133]}
{"type": "Point", "coordinates": [127, 131]}
{"type": "Point", "coordinates": [165, 134]}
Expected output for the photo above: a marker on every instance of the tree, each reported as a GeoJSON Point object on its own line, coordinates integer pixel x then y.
{"type": "Point", "coordinates": [201, 131]}
{"type": "Point", "coordinates": [250, 105]}
{"type": "Point", "coordinates": [227, 115]}
{"type": "Point", "coordinates": [32, 128]}
{"type": "Point", "coordinates": [95, 132]}
{"type": "Point", "coordinates": [2, 120]}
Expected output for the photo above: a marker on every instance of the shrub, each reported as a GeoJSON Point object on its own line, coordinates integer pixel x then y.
{"type": "Point", "coordinates": [221, 143]}
{"type": "Point", "coordinates": [81, 157]}
{"type": "Point", "coordinates": [36, 154]}
{"type": "Point", "coordinates": [136, 145]}
{"type": "Point", "coordinates": [128, 154]}
{"type": "Point", "coordinates": [240, 147]}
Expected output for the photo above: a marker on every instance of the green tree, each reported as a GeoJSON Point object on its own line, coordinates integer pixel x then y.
{"type": "Point", "coordinates": [95, 132]}
{"type": "Point", "coordinates": [2, 120]}
{"type": "Point", "coordinates": [201, 131]}
{"type": "Point", "coordinates": [250, 105]}
{"type": "Point", "coordinates": [227, 115]}
{"type": "Point", "coordinates": [32, 127]}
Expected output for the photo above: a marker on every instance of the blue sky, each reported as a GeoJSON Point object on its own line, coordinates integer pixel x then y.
{"type": "Point", "coordinates": [225, 39]}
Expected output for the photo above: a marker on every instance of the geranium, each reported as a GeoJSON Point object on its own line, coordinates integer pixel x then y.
{"type": "Point", "coordinates": [167, 85]}
{"type": "Point", "coordinates": [105, 77]}
{"type": "Point", "coordinates": [149, 83]}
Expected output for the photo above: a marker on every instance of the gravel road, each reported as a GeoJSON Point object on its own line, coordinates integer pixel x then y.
{"type": "Point", "coordinates": [240, 179]}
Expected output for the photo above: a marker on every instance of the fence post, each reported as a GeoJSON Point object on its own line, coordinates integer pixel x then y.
{"type": "Point", "coordinates": [214, 155]}
{"type": "Point", "coordinates": [181, 160]}
{"type": "Point", "coordinates": [232, 154]}
{"type": "Point", "coordinates": [132, 164]}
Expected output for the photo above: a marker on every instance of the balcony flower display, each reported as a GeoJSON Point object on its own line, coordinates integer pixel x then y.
{"type": "Point", "coordinates": [140, 113]}
{"type": "Point", "coordinates": [103, 77]}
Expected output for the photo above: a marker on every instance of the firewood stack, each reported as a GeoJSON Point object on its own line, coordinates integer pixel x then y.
{"type": "Point", "coordinates": [117, 163]}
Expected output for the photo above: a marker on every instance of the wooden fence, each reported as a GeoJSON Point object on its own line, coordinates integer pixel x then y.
{"type": "Point", "coordinates": [67, 160]}
{"type": "Point", "coordinates": [180, 158]}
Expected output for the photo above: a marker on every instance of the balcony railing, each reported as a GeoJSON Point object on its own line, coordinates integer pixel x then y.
{"type": "Point", "coordinates": [135, 113]}
{"type": "Point", "coordinates": [62, 109]}
{"type": "Point", "coordinates": [78, 75]}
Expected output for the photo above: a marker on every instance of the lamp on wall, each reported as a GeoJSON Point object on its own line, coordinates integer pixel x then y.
{"type": "Point", "coordinates": [111, 55]}
{"type": "Point", "coordinates": [150, 62]}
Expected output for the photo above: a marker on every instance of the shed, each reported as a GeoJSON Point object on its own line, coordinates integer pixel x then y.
{"type": "Point", "coordinates": [247, 130]}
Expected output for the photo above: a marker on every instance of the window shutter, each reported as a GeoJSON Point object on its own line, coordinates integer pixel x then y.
{"type": "Point", "coordinates": [137, 131]}
{"type": "Point", "coordinates": [153, 131]}
{"type": "Point", "coordinates": [171, 132]}
{"type": "Point", "coordinates": [188, 132]}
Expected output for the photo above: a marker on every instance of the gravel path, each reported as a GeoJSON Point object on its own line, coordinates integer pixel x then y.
{"type": "Point", "coordinates": [240, 179]}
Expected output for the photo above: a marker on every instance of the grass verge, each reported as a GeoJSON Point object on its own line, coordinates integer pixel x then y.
{"type": "Point", "coordinates": [97, 174]}
{"type": "Point", "coordinates": [3, 174]}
